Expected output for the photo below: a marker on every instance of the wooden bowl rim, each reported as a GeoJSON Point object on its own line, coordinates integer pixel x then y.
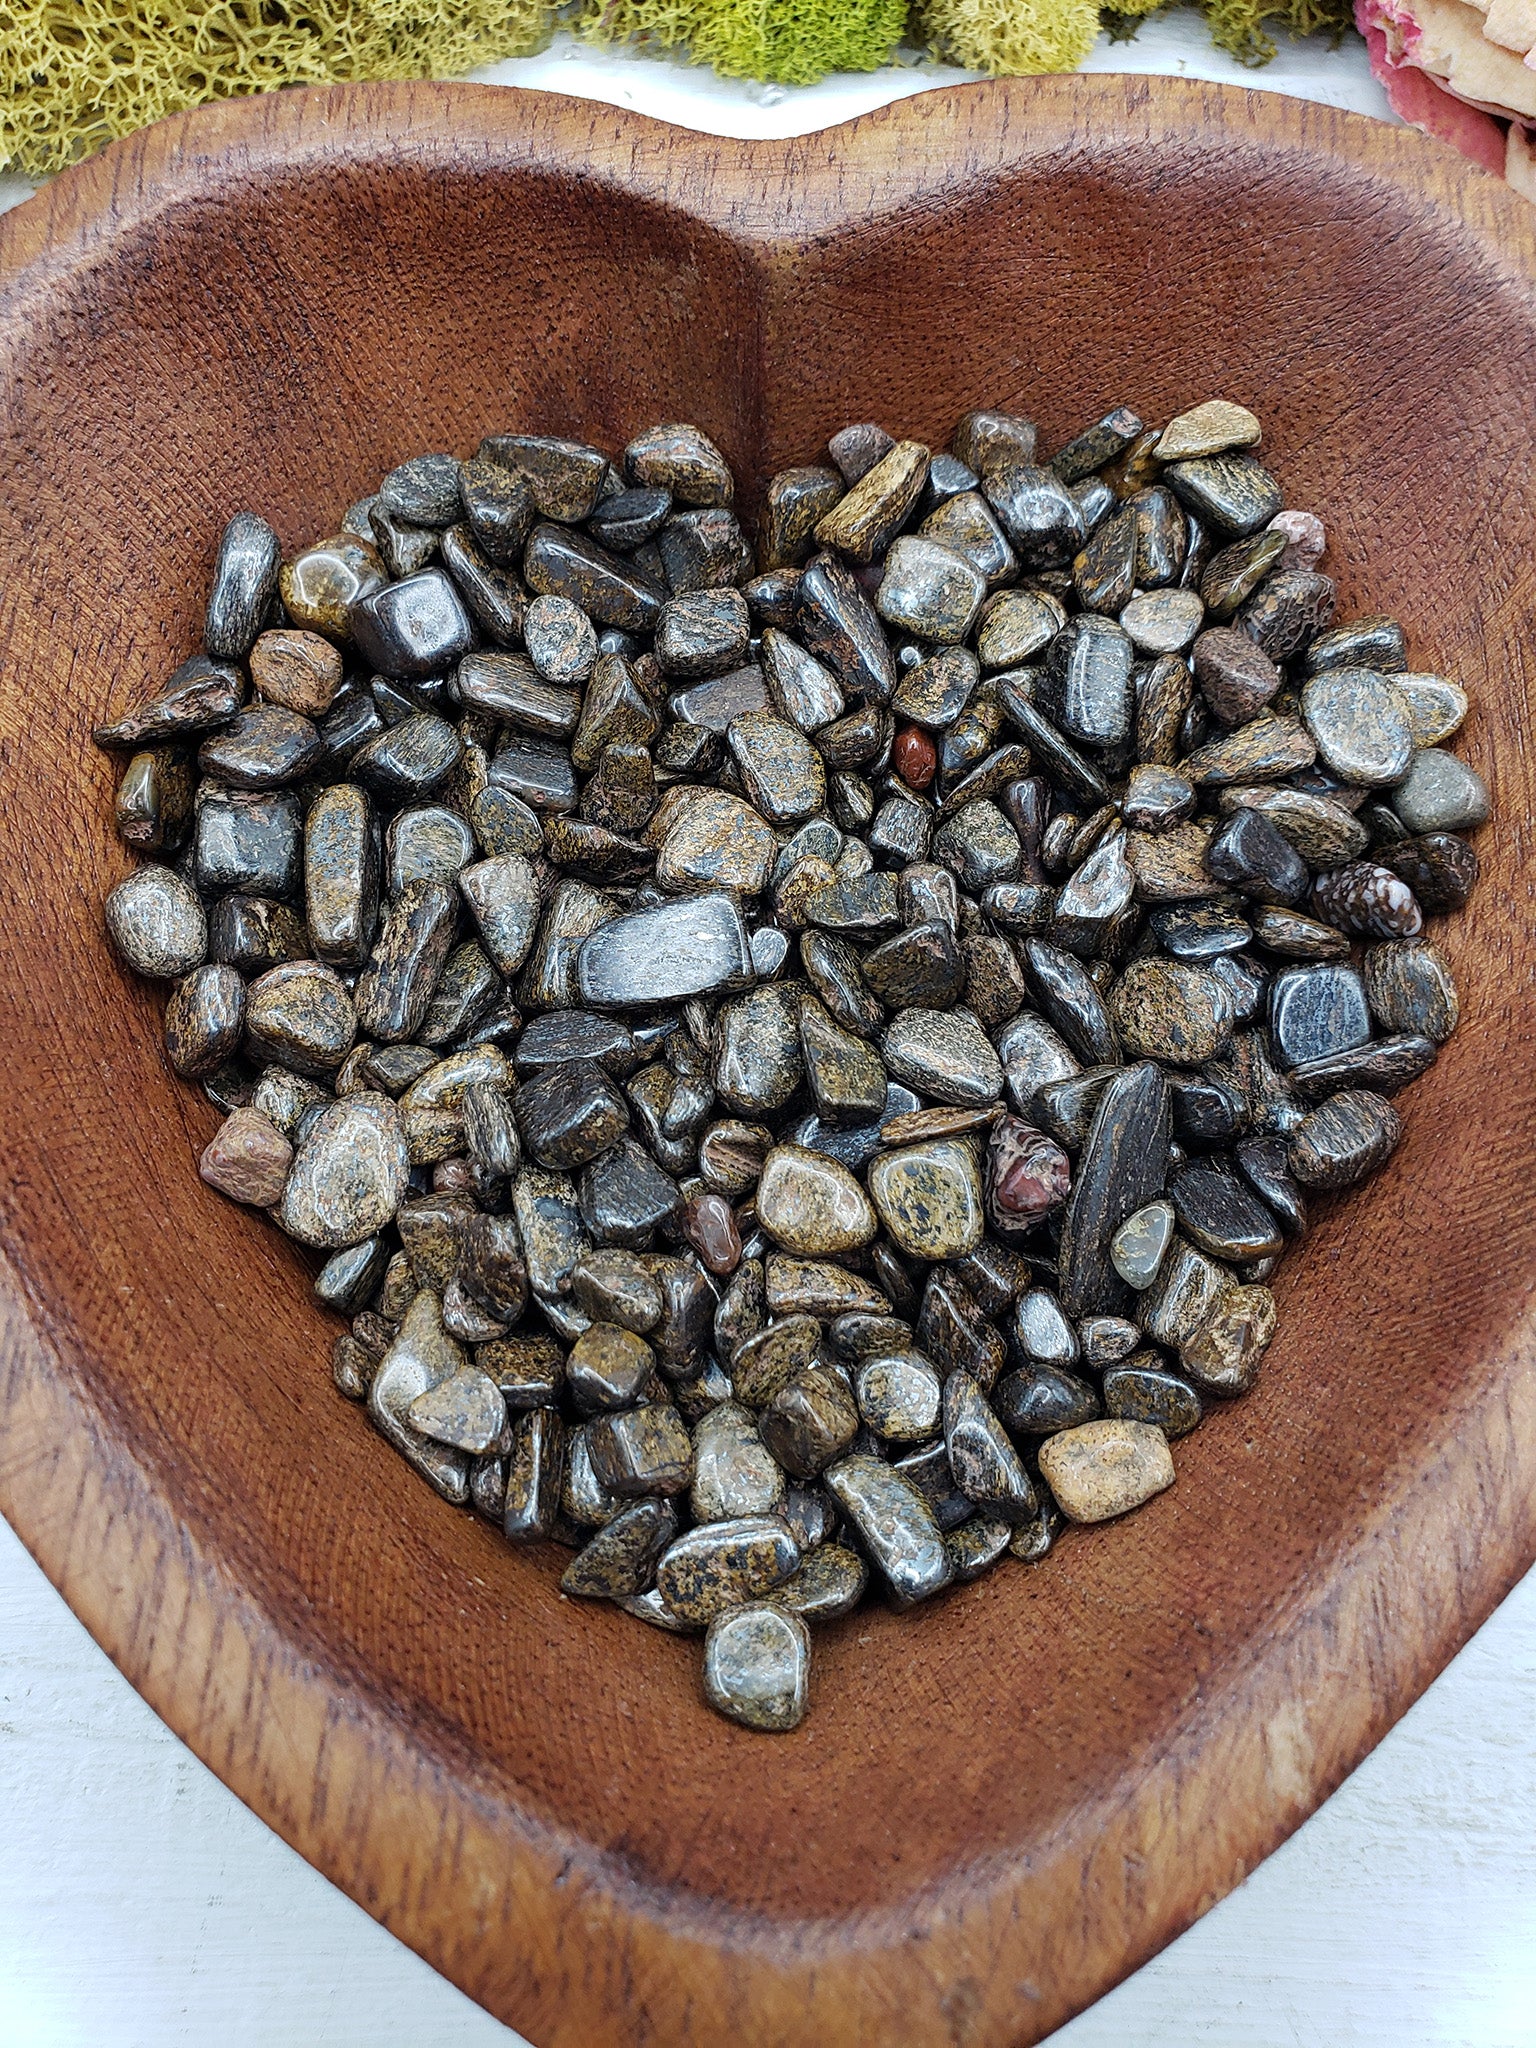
{"type": "Point", "coordinates": [241, 1685]}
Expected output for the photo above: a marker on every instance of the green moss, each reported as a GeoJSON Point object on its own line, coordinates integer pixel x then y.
{"type": "Point", "coordinates": [1239, 25]}
{"type": "Point", "coordinates": [1010, 37]}
{"type": "Point", "coordinates": [792, 42]}
{"type": "Point", "coordinates": [76, 73]}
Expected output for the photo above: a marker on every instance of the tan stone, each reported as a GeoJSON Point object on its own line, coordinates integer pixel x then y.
{"type": "Point", "coordinates": [1208, 429]}
{"type": "Point", "coordinates": [1102, 1469]}
{"type": "Point", "coordinates": [810, 1204]}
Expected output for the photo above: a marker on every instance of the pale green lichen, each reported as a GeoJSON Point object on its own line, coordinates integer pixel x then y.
{"type": "Point", "coordinates": [1010, 37]}
{"type": "Point", "coordinates": [790, 42]}
{"type": "Point", "coordinates": [76, 73]}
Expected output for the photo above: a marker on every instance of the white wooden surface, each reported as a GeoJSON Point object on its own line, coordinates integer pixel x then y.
{"type": "Point", "coordinates": [141, 1906]}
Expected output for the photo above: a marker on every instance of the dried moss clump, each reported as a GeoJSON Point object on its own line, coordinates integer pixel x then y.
{"type": "Point", "coordinates": [76, 73]}
{"type": "Point", "coordinates": [792, 42]}
{"type": "Point", "coordinates": [1011, 37]}
{"type": "Point", "coordinates": [1239, 25]}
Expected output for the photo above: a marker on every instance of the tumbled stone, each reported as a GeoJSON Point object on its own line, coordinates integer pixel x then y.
{"type": "Point", "coordinates": [1042, 1331]}
{"type": "Point", "coordinates": [421, 1356]}
{"type": "Point", "coordinates": [780, 769]}
{"type": "Point", "coordinates": [986, 1467]}
{"type": "Point", "coordinates": [862, 523]}
{"type": "Point", "coordinates": [608, 1367]}
{"type": "Point", "coordinates": [1042, 1399]}
{"type": "Point", "coordinates": [1038, 513]}
{"type": "Point", "coordinates": [929, 1197]}
{"type": "Point", "coordinates": [1071, 1003]}
{"type": "Point", "coordinates": [247, 1159]}
{"type": "Point", "coordinates": [397, 985]}
{"type": "Point", "coordinates": [930, 590]}
{"type": "Point", "coordinates": [1224, 1354]}
{"type": "Point", "coordinates": [734, 1476]}
{"type": "Point", "coordinates": [810, 1420]}
{"type": "Point", "coordinates": [1251, 854]}
{"type": "Point", "coordinates": [830, 1582]}
{"type": "Point", "coordinates": [758, 1065]}
{"type": "Point", "coordinates": [621, 1558]}
{"type": "Point", "coordinates": [757, 1667]}
{"type": "Point", "coordinates": [943, 1054]}
{"type": "Point", "coordinates": [244, 583]}
{"type": "Point", "coordinates": [895, 1525]}
{"type": "Point", "coordinates": [1028, 1176]}
{"type": "Point", "coordinates": [1345, 1140]}
{"type": "Point", "coordinates": [792, 504]}
{"type": "Point", "coordinates": [1106, 1468]}
{"type": "Point", "coordinates": [695, 946]}
{"type": "Point", "coordinates": [157, 923]}
{"type": "Point", "coordinates": [716, 841]}
{"type": "Point", "coordinates": [1263, 750]}
{"type": "Point", "coordinates": [1440, 869]}
{"type": "Point", "coordinates": [349, 1173]}
{"type": "Point", "coordinates": [810, 1205]}
{"type": "Point", "coordinates": [1233, 492]}
{"type": "Point", "coordinates": [1436, 707]}
{"type": "Point", "coordinates": [411, 759]}
{"type": "Point", "coordinates": [723, 1565]}
{"type": "Point", "coordinates": [641, 1451]}
{"type": "Point", "coordinates": [1375, 642]}
{"type": "Point", "coordinates": [1409, 987]}
{"type": "Point", "coordinates": [1236, 678]}
{"type": "Point", "coordinates": [1360, 724]}
{"type": "Point", "coordinates": [1223, 1216]}
{"type": "Point", "coordinates": [1162, 621]}
{"type": "Point", "coordinates": [898, 1395]}
{"type": "Point", "coordinates": [1170, 1010]}
{"type": "Point", "coordinates": [1210, 428]}
{"type": "Point", "coordinates": [1121, 1169]}
{"type": "Point", "coordinates": [1317, 1011]}
{"type": "Point", "coordinates": [1442, 793]}
{"type": "Point", "coordinates": [1140, 1390]}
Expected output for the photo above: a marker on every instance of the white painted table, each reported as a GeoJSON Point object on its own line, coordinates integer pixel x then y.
{"type": "Point", "coordinates": [141, 1906]}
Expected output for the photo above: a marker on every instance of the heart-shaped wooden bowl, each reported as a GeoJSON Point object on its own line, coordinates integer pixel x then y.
{"type": "Point", "coordinates": [999, 1805]}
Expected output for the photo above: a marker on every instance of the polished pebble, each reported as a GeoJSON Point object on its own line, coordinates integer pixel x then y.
{"type": "Point", "coordinates": [757, 1662]}
{"type": "Point", "coordinates": [1101, 1469]}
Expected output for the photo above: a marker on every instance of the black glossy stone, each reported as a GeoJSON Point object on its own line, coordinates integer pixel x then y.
{"type": "Point", "coordinates": [1235, 493]}
{"type": "Point", "coordinates": [623, 523]}
{"type": "Point", "coordinates": [498, 503]}
{"type": "Point", "coordinates": [608, 588]}
{"type": "Point", "coordinates": [1200, 931]}
{"type": "Point", "coordinates": [410, 759]}
{"type": "Point", "coordinates": [1040, 1400]}
{"type": "Point", "coordinates": [244, 584]}
{"type": "Point", "coordinates": [1122, 1167]}
{"type": "Point", "coordinates": [562, 1035]}
{"type": "Point", "coordinates": [1385, 1065]}
{"type": "Point", "coordinates": [1065, 1108]}
{"type": "Point", "coordinates": [492, 597]}
{"type": "Point", "coordinates": [1085, 685]}
{"type": "Point", "coordinates": [985, 1466]}
{"type": "Point", "coordinates": [1440, 868]}
{"type": "Point", "coordinates": [252, 843]}
{"type": "Point", "coordinates": [703, 549]}
{"type": "Point", "coordinates": [838, 624]}
{"type": "Point", "coordinates": [1222, 1216]}
{"type": "Point", "coordinates": [252, 933]}
{"type": "Point", "coordinates": [408, 956]}
{"type": "Point", "coordinates": [1050, 746]}
{"type": "Point", "coordinates": [1376, 643]}
{"type": "Point", "coordinates": [955, 1331]}
{"type": "Point", "coordinates": [921, 966]}
{"type": "Point", "coordinates": [1263, 1164]}
{"type": "Point", "coordinates": [1316, 1012]}
{"type": "Point", "coordinates": [570, 1113]}
{"type": "Point", "coordinates": [1205, 1110]}
{"type": "Point", "coordinates": [1145, 1392]}
{"type": "Point", "coordinates": [1096, 445]}
{"type": "Point", "coordinates": [1071, 1001]}
{"type": "Point", "coordinates": [625, 1197]}
{"type": "Point", "coordinates": [1038, 513]}
{"type": "Point", "coordinates": [262, 747]}
{"type": "Point", "coordinates": [1250, 852]}
{"type": "Point", "coordinates": [417, 627]}
{"type": "Point", "coordinates": [537, 771]}
{"type": "Point", "coordinates": [201, 696]}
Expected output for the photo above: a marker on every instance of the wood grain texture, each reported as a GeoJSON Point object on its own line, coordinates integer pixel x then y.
{"type": "Point", "coordinates": [1001, 1806]}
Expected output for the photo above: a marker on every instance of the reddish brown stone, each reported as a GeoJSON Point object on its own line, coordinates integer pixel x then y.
{"type": "Point", "coordinates": [1028, 1175]}
{"type": "Point", "coordinates": [709, 1224]}
{"type": "Point", "coordinates": [247, 1159]}
{"type": "Point", "coordinates": [914, 757]}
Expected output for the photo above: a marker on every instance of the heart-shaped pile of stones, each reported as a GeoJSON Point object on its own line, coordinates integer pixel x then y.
{"type": "Point", "coordinates": [804, 1057]}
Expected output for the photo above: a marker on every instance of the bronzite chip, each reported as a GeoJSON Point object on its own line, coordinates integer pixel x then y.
{"type": "Point", "coordinates": [797, 1035]}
